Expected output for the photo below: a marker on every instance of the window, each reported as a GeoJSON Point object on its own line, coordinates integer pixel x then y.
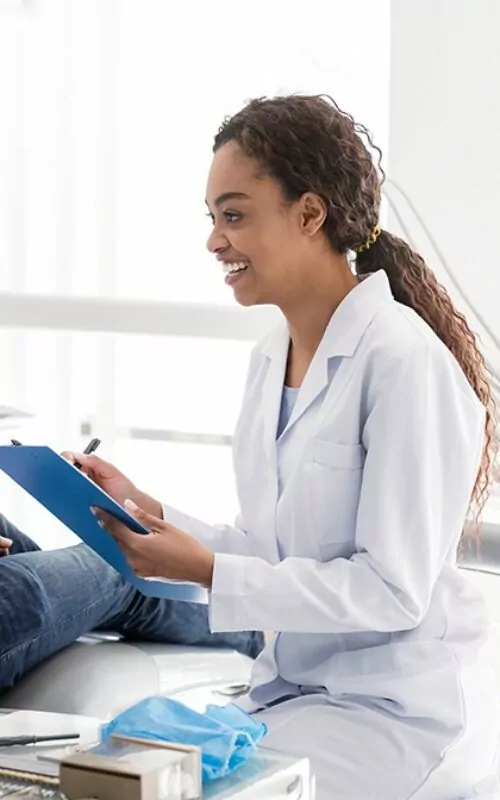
{"type": "Point", "coordinates": [109, 110]}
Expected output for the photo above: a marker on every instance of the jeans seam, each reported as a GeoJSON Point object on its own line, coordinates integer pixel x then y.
{"type": "Point", "coordinates": [54, 629]}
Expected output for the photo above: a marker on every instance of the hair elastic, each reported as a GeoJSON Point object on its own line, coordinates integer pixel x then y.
{"type": "Point", "coordinates": [370, 241]}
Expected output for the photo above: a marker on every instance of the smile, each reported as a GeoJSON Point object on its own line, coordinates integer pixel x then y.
{"type": "Point", "coordinates": [234, 272]}
{"type": "Point", "coordinates": [234, 269]}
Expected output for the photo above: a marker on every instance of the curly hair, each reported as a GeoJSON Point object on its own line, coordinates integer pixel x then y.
{"type": "Point", "coordinates": [307, 144]}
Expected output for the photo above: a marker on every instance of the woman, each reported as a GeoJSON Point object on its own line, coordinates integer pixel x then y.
{"type": "Point", "coordinates": [366, 433]}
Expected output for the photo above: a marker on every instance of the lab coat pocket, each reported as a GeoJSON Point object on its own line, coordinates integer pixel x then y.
{"type": "Point", "coordinates": [334, 480]}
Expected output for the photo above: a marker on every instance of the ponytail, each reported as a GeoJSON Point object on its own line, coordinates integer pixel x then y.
{"type": "Point", "coordinates": [414, 285]}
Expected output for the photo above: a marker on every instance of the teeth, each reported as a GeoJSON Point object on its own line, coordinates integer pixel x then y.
{"type": "Point", "coordinates": [232, 269]}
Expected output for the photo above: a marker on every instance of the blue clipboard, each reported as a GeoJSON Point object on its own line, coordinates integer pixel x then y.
{"type": "Point", "coordinates": [69, 494]}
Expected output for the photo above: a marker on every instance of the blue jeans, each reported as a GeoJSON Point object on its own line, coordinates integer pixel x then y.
{"type": "Point", "coordinates": [50, 598]}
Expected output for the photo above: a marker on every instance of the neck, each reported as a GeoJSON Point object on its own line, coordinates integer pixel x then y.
{"type": "Point", "coordinates": [309, 316]}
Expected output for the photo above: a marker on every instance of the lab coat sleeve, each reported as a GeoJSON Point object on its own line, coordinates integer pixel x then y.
{"type": "Point", "coordinates": [217, 538]}
{"type": "Point", "coordinates": [423, 438]}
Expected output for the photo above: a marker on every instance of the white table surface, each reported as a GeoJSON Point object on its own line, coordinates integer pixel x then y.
{"type": "Point", "coordinates": [267, 776]}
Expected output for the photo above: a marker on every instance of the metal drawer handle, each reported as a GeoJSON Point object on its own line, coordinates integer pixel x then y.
{"type": "Point", "coordinates": [294, 790]}
{"type": "Point", "coordinates": [233, 690]}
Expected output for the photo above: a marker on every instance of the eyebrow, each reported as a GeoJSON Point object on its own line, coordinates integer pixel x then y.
{"type": "Point", "coordinates": [222, 198]}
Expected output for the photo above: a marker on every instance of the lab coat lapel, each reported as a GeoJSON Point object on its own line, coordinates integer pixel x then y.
{"type": "Point", "coordinates": [315, 380]}
{"type": "Point", "coordinates": [276, 349]}
{"type": "Point", "coordinates": [341, 339]}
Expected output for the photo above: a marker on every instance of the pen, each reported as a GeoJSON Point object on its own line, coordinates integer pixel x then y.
{"type": "Point", "coordinates": [91, 447]}
{"type": "Point", "coordinates": [12, 741]}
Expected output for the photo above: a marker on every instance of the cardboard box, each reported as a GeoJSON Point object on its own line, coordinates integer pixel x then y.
{"type": "Point", "coordinates": [126, 768]}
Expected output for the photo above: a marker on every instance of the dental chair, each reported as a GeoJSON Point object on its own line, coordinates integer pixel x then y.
{"type": "Point", "coordinates": [482, 565]}
{"type": "Point", "coordinates": [101, 675]}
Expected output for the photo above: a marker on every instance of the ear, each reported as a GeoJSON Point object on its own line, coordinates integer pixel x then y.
{"type": "Point", "coordinates": [312, 213]}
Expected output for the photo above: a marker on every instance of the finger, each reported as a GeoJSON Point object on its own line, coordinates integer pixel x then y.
{"type": "Point", "coordinates": [96, 462]}
{"type": "Point", "coordinates": [77, 459]}
{"type": "Point", "coordinates": [69, 456]}
{"type": "Point", "coordinates": [104, 519]}
{"type": "Point", "coordinates": [96, 468]}
{"type": "Point", "coordinates": [89, 460]}
{"type": "Point", "coordinates": [5, 543]}
{"type": "Point", "coordinates": [149, 521]}
{"type": "Point", "coordinates": [114, 527]}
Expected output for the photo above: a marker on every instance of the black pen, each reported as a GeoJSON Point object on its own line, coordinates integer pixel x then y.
{"type": "Point", "coordinates": [91, 447]}
{"type": "Point", "coordinates": [12, 741]}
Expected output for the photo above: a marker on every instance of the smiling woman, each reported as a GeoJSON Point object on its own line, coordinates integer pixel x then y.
{"type": "Point", "coordinates": [354, 489]}
{"type": "Point", "coordinates": [366, 434]}
{"type": "Point", "coordinates": [255, 234]}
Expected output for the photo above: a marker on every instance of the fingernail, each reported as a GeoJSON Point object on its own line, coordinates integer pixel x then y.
{"type": "Point", "coordinates": [93, 511]}
{"type": "Point", "coordinates": [131, 505]}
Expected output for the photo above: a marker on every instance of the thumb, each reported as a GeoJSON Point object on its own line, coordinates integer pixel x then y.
{"type": "Point", "coordinates": [148, 520]}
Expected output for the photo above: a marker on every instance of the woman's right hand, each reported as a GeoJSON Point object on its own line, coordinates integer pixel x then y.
{"type": "Point", "coordinates": [114, 482]}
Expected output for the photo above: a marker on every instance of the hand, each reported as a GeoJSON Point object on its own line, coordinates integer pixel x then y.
{"type": "Point", "coordinates": [112, 481]}
{"type": "Point", "coordinates": [166, 552]}
{"type": "Point", "coordinates": [5, 545]}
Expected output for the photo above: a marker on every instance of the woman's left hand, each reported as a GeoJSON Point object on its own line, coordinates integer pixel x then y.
{"type": "Point", "coordinates": [166, 552]}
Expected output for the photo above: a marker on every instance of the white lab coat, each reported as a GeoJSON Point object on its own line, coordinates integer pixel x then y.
{"type": "Point", "coordinates": [353, 565]}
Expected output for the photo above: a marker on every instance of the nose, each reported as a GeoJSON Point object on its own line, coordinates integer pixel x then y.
{"type": "Point", "coordinates": [216, 242]}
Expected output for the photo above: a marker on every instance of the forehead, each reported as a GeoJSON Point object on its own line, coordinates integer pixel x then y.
{"type": "Point", "coordinates": [231, 171]}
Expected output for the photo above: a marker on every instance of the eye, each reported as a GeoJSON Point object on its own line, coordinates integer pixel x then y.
{"type": "Point", "coordinates": [232, 216]}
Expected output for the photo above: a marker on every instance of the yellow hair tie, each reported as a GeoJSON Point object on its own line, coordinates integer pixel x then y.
{"type": "Point", "coordinates": [370, 241]}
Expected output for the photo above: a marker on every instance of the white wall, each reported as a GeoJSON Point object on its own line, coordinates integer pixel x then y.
{"type": "Point", "coordinates": [444, 132]}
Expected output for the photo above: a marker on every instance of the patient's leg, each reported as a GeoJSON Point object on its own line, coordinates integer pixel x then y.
{"type": "Point", "coordinates": [170, 621]}
{"type": "Point", "coordinates": [50, 598]}
{"type": "Point", "coordinates": [20, 542]}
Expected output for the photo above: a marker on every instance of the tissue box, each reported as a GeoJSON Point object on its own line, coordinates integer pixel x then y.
{"type": "Point", "coordinates": [133, 769]}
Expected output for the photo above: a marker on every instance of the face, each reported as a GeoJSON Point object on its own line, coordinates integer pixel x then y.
{"type": "Point", "coordinates": [263, 243]}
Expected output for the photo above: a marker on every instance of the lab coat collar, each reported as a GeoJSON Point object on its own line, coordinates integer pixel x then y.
{"type": "Point", "coordinates": [348, 322]}
{"type": "Point", "coordinates": [341, 338]}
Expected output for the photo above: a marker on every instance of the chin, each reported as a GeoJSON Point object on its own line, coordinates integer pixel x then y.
{"type": "Point", "coordinates": [247, 298]}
